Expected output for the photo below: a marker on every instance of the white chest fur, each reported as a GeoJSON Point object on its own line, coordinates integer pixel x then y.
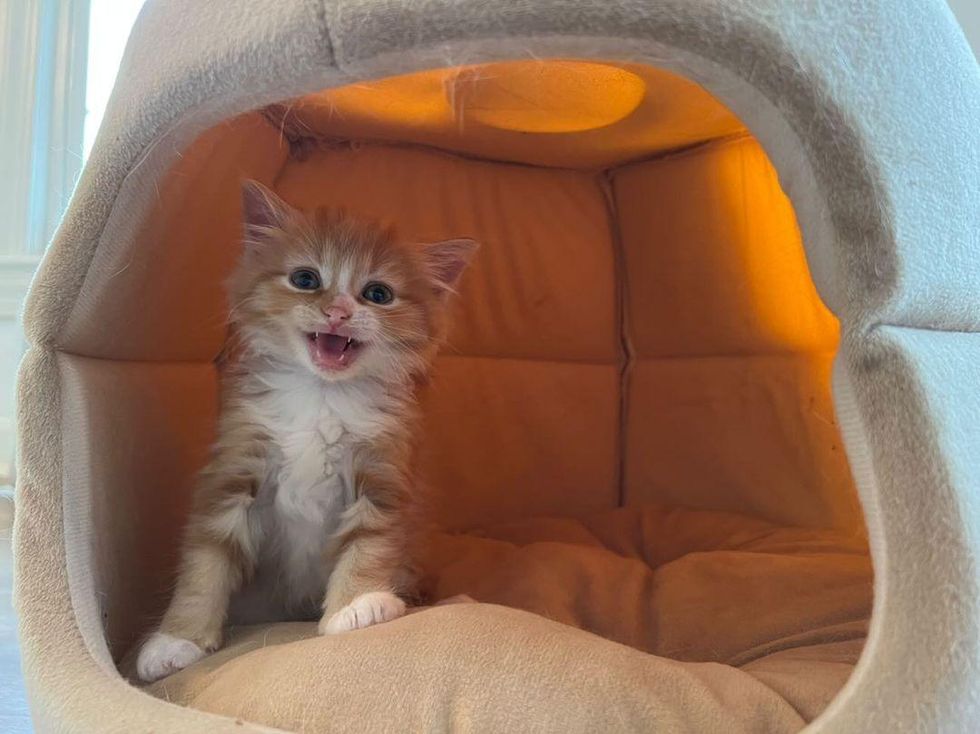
{"type": "Point", "coordinates": [314, 428]}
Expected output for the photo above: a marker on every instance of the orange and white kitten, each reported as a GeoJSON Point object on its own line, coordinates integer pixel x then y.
{"type": "Point", "coordinates": [305, 506]}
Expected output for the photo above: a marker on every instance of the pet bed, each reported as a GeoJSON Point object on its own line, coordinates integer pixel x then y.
{"type": "Point", "coordinates": [717, 354]}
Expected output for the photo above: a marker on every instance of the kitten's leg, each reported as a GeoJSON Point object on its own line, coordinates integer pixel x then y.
{"type": "Point", "coordinates": [214, 563]}
{"type": "Point", "coordinates": [217, 556]}
{"type": "Point", "coordinates": [372, 565]}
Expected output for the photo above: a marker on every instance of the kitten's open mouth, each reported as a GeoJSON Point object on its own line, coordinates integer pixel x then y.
{"type": "Point", "coordinates": [332, 351]}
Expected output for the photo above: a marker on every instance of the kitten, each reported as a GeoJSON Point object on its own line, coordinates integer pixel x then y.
{"type": "Point", "coordinates": [305, 506]}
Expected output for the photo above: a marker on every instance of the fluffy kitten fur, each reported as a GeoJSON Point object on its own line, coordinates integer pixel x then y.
{"type": "Point", "coordinates": [306, 503]}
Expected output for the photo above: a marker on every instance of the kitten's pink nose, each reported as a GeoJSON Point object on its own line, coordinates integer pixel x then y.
{"type": "Point", "coordinates": [338, 311]}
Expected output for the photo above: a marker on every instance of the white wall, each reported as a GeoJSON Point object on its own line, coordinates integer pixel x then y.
{"type": "Point", "coordinates": [43, 47]}
{"type": "Point", "coordinates": [968, 13]}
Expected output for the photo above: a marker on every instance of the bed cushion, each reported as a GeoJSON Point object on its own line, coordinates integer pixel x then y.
{"type": "Point", "coordinates": [643, 618]}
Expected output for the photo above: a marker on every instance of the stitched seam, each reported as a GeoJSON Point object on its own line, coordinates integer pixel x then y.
{"type": "Point", "coordinates": [622, 321]}
{"type": "Point", "coordinates": [694, 148]}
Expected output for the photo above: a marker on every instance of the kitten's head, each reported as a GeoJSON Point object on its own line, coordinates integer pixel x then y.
{"type": "Point", "coordinates": [337, 296]}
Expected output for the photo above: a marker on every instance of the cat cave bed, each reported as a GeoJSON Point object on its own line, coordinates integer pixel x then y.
{"type": "Point", "coordinates": [719, 342]}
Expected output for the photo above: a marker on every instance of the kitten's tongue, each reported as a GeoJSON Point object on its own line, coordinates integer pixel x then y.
{"type": "Point", "coordinates": [332, 351]}
{"type": "Point", "coordinates": [331, 345]}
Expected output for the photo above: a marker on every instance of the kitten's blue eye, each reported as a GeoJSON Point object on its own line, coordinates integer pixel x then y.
{"type": "Point", "coordinates": [305, 279]}
{"type": "Point", "coordinates": [378, 293]}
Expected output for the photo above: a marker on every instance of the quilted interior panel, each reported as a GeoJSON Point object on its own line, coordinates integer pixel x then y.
{"type": "Point", "coordinates": [546, 441]}
{"type": "Point", "coordinates": [728, 400]}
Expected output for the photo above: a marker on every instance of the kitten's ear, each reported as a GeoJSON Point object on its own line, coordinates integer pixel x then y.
{"type": "Point", "coordinates": [263, 210]}
{"type": "Point", "coordinates": [447, 260]}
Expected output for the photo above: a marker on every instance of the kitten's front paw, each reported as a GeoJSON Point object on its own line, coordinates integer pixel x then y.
{"type": "Point", "coordinates": [374, 607]}
{"type": "Point", "coordinates": [163, 654]}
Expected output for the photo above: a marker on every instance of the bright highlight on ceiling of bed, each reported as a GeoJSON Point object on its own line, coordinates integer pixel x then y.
{"type": "Point", "coordinates": [565, 113]}
{"type": "Point", "coordinates": [558, 97]}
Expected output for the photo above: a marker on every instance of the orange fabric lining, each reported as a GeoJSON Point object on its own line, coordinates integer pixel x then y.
{"type": "Point", "coordinates": [714, 256]}
{"type": "Point", "coordinates": [728, 405]}
{"type": "Point", "coordinates": [692, 259]}
{"type": "Point", "coordinates": [728, 402]}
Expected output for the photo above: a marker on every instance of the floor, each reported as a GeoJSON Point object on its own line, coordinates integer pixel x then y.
{"type": "Point", "coordinates": [14, 716]}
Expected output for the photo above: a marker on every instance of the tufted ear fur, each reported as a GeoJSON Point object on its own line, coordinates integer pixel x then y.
{"type": "Point", "coordinates": [447, 260]}
{"type": "Point", "coordinates": [262, 211]}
